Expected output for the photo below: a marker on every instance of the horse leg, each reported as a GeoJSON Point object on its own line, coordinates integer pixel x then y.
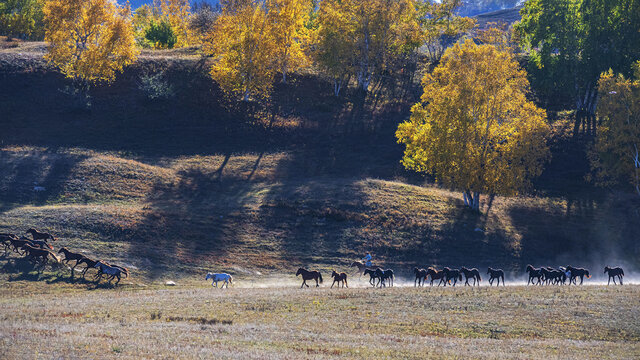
{"type": "Point", "coordinates": [345, 283]}
{"type": "Point", "coordinates": [581, 279]}
{"type": "Point", "coordinates": [620, 278]}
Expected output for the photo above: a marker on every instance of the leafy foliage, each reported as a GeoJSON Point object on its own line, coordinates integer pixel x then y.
{"type": "Point", "coordinates": [178, 14]}
{"type": "Point", "coordinates": [155, 86]}
{"type": "Point", "coordinates": [616, 153]}
{"type": "Point", "coordinates": [161, 35]}
{"type": "Point", "coordinates": [288, 20]}
{"type": "Point", "coordinates": [22, 19]}
{"type": "Point", "coordinates": [474, 129]}
{"type": "Point", "coordinates": [440, 26]}
{"type": "Point", "coordinates": [89, 40]}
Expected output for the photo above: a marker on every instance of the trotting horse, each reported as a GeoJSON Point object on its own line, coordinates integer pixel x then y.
{"type": "Point", "coordinates": [435, 275]}
{"type": "Point", "coordinates": [339, 278]}
{"type": "Point", "coordinates": [534, 274]}
{"type": "Point", "coordinates": [495, 274]}
{"type": "Point", "coordinates": [373, 275]}
{"type": "Point", "coordinates": [471, 274]}
{"type": "Point", "coordinates": [386, 275]}
{"type": "Point", "coordinates": [613, 273]}
{"type": "Point", "coordinates": [421, 277]}
{"type": "Point", "coordinates": [219, 277]}
{"type": "Point", "coordinates": [37, 235]}
{"type": "Point", "coordinates": [451, 274]}
{"type": "Point", "coordinates": [577, 272]}
{"type": "Point", "coordinates": [309, 275]}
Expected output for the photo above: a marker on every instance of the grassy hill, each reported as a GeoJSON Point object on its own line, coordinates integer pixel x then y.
{"type": "Point", "coordinates": [177, 187]}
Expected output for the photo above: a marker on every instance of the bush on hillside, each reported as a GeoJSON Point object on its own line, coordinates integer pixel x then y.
{"type": "Point", "coordinates": [161, 35]}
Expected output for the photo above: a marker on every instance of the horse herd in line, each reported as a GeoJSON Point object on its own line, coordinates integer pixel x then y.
{"type": "Point", "coordinates": [38, 251]}
{"type": "Point", "coordinates": [537, 276]}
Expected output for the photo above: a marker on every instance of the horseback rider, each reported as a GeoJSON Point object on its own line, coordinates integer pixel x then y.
{"type": "Point", "coordinates": [367, 260]}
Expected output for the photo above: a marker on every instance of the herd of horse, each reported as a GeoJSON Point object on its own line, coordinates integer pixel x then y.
{"type": "Point", "coordinates": [447, 276]}
{"type": "Point", "coordinates": [38, 251]}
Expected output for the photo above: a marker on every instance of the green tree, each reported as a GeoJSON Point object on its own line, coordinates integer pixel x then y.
{"type": "Point", "coordinates": [474, 129]}
{"type": "Point", "coordinates": [160, 34]}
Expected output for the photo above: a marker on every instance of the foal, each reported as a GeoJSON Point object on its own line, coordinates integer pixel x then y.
{"type": "Point", "coordinates": [339, 278]}
{"type": "Point", "coordinates": [613, 273]}
{"type": "Point", "coordinates": [373, 275]}
{"type": "Point", "coordinates": [471, 273]}
{"type": "Point", "coordinates": [495, 274]}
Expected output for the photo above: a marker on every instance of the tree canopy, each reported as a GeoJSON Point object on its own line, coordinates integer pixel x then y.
{"type": "Point", "coordinates": [474, 129]}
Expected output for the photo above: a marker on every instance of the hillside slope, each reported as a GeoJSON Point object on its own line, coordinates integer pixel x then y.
{"type": "Point", "coordinates": [193, 183]}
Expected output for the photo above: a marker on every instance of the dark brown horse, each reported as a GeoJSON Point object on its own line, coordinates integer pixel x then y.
{"type": "Point", "coordinates": [339, 278]}
{"type": "Point", "coordinates": [17, 244]}
{"type": "Point", "coordinates": [373, 276]}
{"type": "Point", "coordinates": [309, 275]}
{"type": "Point", "coordinates": [39, 255]}
{"type": "Point", "coordinates": [451, 274]}
{"type": "Point", "coordinates": [421, 276]}
{"type": "Point", "coordinates": [70, 256]}
{"type": "Point", "coordinates": [495, 274]}
{"type": "Point", "coordinates": [577, 272]}
{"type": "Point", "coordinates": [37, 235]}
{"type": "Point", "coordinates": [534, 274]}
{"type": "Point", "coordinates": [613, 273]}
{"type": "Point", "coordinates": [386, 275]}
{"type": "Point", "coordinates": [471, 274]}
{"type": "Point", "coordinates": [435, 275]}
{"type": "Point", "coordinates": [5, 239]}
{"type": "Point", "coordinates": [90, 264]}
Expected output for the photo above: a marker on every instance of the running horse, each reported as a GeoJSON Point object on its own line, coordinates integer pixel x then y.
{"type": "Point", "coordinates": [339, 278]}
{"type": "Point", "coordinates": [110, 270]}
{"type": "Point", "coordinates": [534, 274]}
{"type": "Point", "coordinates": [613, 273]}
{"type": "Point", "coordinates": [39, 255]}
{"type": "Point", "coordinates": [451, 274]}
{"type": "Point", "coordinates": [37, 235]}
{"type": "Point", "coordinates": [435, 275]}
{"type": "Point", "coordinates": [71, 256]}
{"type": "Point", "coordinates": [309, 275]}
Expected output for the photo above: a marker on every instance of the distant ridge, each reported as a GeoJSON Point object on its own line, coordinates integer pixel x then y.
{"type": "Point", "coordinates": [508, 16]}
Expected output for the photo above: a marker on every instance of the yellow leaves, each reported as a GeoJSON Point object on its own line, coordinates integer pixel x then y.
{"type": "Point", "coordinates": [475, 129]}
{"type": "Point", "coordinates": [177, 13]}
{"type": "Point", "coordinates": [89, 40]}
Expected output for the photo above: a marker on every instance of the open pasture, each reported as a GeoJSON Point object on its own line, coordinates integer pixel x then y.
{"type": "Point", "coordinates": [286, 322]}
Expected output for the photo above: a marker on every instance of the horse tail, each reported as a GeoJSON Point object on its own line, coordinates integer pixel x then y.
{"type": "Point", "coordinates": [320, 277]}
{"type": "Point", "coordinates": [587, 273]}
{"type": "Point", "coordinates": [55, 257]}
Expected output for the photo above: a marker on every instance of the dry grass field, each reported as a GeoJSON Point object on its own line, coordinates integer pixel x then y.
{"type": "Point", "coordinates": [515, 322]}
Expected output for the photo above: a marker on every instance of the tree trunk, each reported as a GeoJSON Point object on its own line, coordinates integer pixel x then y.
{"type": "Point", "coordinates": [471, 200]}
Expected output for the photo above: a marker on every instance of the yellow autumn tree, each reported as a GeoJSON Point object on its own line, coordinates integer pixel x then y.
{"type": "Point", "coordinates": [288, 19]}
{"type": "Point", "coordinates": [89, 40]}
{"type": "Point", "coordinates": [243, 50]}
{"type": "Point", "coordinates": [178, 14]}
{"type": "Point", "coordinates": [440, 26]}
{"type": "Point", "coordinates": [616, 153]}
{"type": "Point", "coordinates": [474, 129]}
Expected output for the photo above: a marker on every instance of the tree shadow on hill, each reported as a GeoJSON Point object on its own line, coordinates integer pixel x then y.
{"type": "Point", "coordinates": [38, 177]}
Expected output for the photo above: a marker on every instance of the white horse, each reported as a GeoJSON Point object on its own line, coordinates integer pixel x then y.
{"type": "Point", "coordinates": [220, 277]}
{"type": "Point", "coordinates": [112, 270]}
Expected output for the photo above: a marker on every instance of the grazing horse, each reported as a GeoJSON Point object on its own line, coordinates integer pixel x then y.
{"type": "Point", "coordinates": [421, 276]}
{"type": "Point", "coordinates": [471, 274]}
{"type": "Point", "coordinates": [435, 275]}
{"type": "Point", "coordinates": [534, 274]}
{"type": "Point", "coordinates": [575, 272]}
{"type": "Point", "coordinates": [69, 256]}
{"type": "Point", "coordinates": [613, 273]}
{"type": "Point", "coordinates": [373, 275]}
{"type": "Point", "coordinates": [35, 254]}
{"type": "Point", "coordinates": [309, 275]}
{"type": "Point", "coordinates": [37, 235]}
{"type": "Point", "coordinates": [451, 274]}
{"type": "Point", "coordinates": [219, 277]}
{"type": "Point", "coordinates": [339, 278]}
{"type": "Point", "coordinates": [112, 271]}
{"type": "Point", "coordinates": [495, 274]}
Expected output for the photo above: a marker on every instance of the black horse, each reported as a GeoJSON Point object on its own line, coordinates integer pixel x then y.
{"type": "Point", "coordinates": [309, 275]}
{"type": "Point", "coordinates": [495, 274]}
{"type": "Point", "coordinates": [451, 274]}
{"type": "Point", "coordinates": [387, 275]}
{"type": "Point", "coordinates": [373, 276]}
{"type": "Point", "coordinates": [421, 276]}
{"type": "Point", "coordinates": [577, 272]}
{"type": "Point", "coordinates": [613, 273]}
{"type": "Point", "coordinates": [471, 274]}
{"type": "Point", "coordinates": [534, 274]}
{"type": "Point", "coordinates": [551, 276]}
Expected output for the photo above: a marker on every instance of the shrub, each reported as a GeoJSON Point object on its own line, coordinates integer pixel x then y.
{"type": "Point", "coordinates": [161, 35]}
